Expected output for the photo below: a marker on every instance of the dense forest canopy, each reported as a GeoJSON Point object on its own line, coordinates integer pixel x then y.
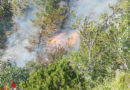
{"type": "Point", "coordinates": [45, 45]}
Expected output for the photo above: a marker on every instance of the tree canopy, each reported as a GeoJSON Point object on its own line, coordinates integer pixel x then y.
{"type": "Point", "coordinates": [57, 76]}
{"type": "Point", "coordinates": [101, 63]}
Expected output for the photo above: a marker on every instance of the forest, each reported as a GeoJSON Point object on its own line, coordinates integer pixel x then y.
{"type": "Point", "coordinates": [65, 44]}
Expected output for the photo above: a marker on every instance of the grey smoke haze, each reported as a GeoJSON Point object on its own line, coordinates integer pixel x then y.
{"type": "Point", "coordinates": [92, 8]}
{"type": "Point", "coordinates": [19, 40]}
{"type": "Point", "coordinates": [83, 8]}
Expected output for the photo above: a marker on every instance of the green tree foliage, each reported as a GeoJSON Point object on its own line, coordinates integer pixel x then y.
{"type": "Point", "coordinates": [49, 18]}
{"type": "Point", "coordinates": [102, 63]}
{"type": "Point", "coordinates": [103, 49]}
{"type": "Point", "coordinates": [10, 72]}
{"type": "Point", "coordinates": [50, 15]}
{"type": "Point", "coordinates": [8, 9]}
{"type": "Point", "coordinates": [5, 20]}
{"type": "Point", "coordinates": [121, 82]}
{"type": "Point", "coordinates": [57, 76]}
{"type": "Point", "coordinates": [19, 6]}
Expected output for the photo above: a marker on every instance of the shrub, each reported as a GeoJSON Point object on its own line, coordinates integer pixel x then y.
{"type": "Point", "coordinates": [10, 72]}
{"type": "Point", "coordinates": [57, 76]}
{"type": "Point", "coordinates": [121, 82]}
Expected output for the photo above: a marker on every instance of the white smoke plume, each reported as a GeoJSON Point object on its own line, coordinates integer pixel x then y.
{"type": "Point", "coordinates": [92, 8]}
{"type": "Point", "coordinates": [20, 39]}
{"type": "Point", "coordinates": [17, 42]}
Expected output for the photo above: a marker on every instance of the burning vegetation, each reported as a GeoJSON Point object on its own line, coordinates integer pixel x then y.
{"type": "Point", "coordinates": [39, 49]}
{"type": "Point", "coordinates": [64, 40]}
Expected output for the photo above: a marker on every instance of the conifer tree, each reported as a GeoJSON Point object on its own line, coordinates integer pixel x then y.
{"type": "Point", "coordinates": [57, 76]}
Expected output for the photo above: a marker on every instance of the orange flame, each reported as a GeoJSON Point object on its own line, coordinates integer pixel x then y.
{"type": "Point", "coordinates": [64, 40]}
{"type": "Point", "coordinates": [54, 40]}
{"type": "Point", "coordinates": [73, 38]}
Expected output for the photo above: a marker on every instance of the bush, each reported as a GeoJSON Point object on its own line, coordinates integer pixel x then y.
{"type": "Point", "coordinates": [121, 82]}
{"type": "Point", "coordinates": [10, 72]}
{"type": "Point", "coordinates": [57, 76]}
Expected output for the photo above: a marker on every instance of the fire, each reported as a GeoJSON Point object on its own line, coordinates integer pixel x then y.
{"type": "Point", "coordinates": [64, 40]}
{"type": "Point", "coordinates": [54, 40]}
{"type": "Point", "coordinates": [73, 38]}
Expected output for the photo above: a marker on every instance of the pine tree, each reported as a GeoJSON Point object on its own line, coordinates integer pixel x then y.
{"type": "Point", "coordinates": [57, 76]}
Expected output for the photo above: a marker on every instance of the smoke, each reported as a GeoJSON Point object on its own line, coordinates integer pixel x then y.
{"type": "Point", "coordinates": [81, 8]}
{"type": "Point", "coordinates": [91, 8]}
{"type": "Point", "coordinates": [17, 42]}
